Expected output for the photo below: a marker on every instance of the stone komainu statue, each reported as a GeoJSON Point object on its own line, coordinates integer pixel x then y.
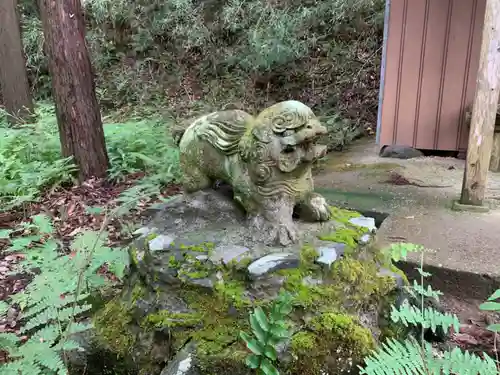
{"type": "Point", "coordinates": [267, 160]}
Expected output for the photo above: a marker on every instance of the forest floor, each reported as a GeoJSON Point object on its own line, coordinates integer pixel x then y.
{"type": "Point", "coordinates": [417, 194]}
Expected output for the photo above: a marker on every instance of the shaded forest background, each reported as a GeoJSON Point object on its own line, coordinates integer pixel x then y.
{"type": "Point", "coordinates": [157, 63]}
{"type": "Point", "coordinates": [191, 56]}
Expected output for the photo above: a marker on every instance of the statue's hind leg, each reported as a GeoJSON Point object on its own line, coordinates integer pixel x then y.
{"type": "Point", "coordinates": [193, 179]}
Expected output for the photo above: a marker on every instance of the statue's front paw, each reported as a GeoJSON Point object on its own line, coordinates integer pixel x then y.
{"type": "Point", "coordinates": [322, 209]}
{"type": "Point", "coordinates": [314, 208]}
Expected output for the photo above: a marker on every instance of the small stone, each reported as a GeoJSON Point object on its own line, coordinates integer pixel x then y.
{"type": "Point", "coordinates": [273, 262]}
{"type": "Point", "coordinates": [202, 258]}
{"type": "Point", "coordinates": [365, 239]}
{"type": "Point", "coordinates": [365, 222]}
{"type": "Point", "coordinates": [228, 253]}
{"type": "Point", "coordinates": [161, 242]}
{"type": "Point", "coordinates": [396, 276]}
{"type": "Point", "coordinates": [400, 152]}
{"type": "Point", "coordinates": [328, 255]}
{"type": "Point", "coordinates": [310, 281]}
{"type": "Point", "coordinates": [183, 363]}
{"type": "Point", "coordinates": [144, 231]}
{"type": "Point", "coordinates": [204, 283]}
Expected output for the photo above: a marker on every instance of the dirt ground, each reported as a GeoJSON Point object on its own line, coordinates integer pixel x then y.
{"type": "Point", "coordinates": [418, 194]}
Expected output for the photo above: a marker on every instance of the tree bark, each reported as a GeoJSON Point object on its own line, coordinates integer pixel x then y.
{"type": "Point", "coordinates": [14, 83]}
{"type": "Point", "coordinates": [78, 115]}
{"type": "Point", "coordinates": [484, 110]}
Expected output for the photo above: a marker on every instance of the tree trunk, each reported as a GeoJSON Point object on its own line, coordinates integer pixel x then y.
{"type": "Point", "coordinates": [484, 110]}
{"type": "Point", "coordinates": [14, 83]}
{"type": "Point", "coordinates": [73, 87]}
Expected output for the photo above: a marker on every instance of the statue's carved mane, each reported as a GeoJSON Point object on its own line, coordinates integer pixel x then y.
{"type": "Point", "coordinates": [224, 132]}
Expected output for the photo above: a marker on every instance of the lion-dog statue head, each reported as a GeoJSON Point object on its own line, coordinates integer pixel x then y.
{"type": "Point", "coordinates": [280, 144]}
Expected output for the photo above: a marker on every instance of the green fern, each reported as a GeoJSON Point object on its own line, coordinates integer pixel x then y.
{"type": "Point", "coordinates": [417, 357]}
{"type": "Point", "coordinates": [410, 357]}
{"type": "Point", "coordinates": [57, 295]}
{"type": "Point", "coordinates": [427, 317]}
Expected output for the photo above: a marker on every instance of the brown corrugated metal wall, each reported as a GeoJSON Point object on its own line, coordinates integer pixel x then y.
{"type": "Point", "coordinates": [432, 56]}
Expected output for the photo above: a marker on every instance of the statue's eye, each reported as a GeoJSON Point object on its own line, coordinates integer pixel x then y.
{"type": "Point", "coordinates": [288, 133]}
{"type": "Point", "coordinates": [289, 149]}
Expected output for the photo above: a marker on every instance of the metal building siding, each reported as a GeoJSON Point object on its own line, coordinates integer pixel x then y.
{"type": "Point", "coordinates": [432, 55]}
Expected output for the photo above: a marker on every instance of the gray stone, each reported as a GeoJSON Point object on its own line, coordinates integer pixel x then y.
{"type": "Point", "coordinates": [311, 281]}
{"type": "Point", "coordinates": [144, 231]}
{"type": "Point", "coordinates": [273, 262]}
{"type": "Point", "coordinates": [400, 152]}
{"type": "Point", "coordinates": [161, 242]}
{"type": "Point", "coordinates": [365, 222]}
{"type": "Point", "coordinates": [328, 255]}
{"type": "Point", "coordinates": [184, 363]}
{"type": "Point", "coordinates": [211, 217]}
{"type": "Point", "coordinates": [365, 239]}
{"type": "Point", "coordinates": [227, 253]}
{"type": "Point", "coordinates": [204, 283]}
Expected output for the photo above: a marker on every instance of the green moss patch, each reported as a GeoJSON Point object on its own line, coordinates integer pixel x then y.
{"type": "Point", "coordinates": [331, 343]}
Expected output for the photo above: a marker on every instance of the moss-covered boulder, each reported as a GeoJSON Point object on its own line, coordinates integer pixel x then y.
{"type": "Point", "coordinates": [187, 301]}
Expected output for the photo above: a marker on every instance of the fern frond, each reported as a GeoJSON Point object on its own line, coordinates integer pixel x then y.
{"type": "Point", "coordinates": [428, 318]}
{"type": "Point", "coordinates": [43, 317]}
{"type": "Point", "coordinates": [22, 366]}
{"type": "Point", "coordinates": [48, 334]}
{"type": "Point", "coordinates": [77, 327]}
{"type": "Point", "coordinates": [460, 362]}
{"type": "Point", "coordinates": [50, 359]}
{"type": "Point", "coordinates": [429, 292]}
{"type": "Point", "coordinates": [400, 250]}
{"type": "Point", "coordinates": [8, 341]}
{"type": "Point", "coordinates": [53, 314]}
{"type": "Point", "coordinates": [395, 358]}
{"type": "Point", "coordinates": [67, 346]}
{"type": "Point", "coordinates": [4, 308]}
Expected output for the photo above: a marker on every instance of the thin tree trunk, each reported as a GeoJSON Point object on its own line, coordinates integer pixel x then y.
{"type": "Point", "coordinates": [78, 115]}
{"type": "Point", "coordinates": [14, 83]}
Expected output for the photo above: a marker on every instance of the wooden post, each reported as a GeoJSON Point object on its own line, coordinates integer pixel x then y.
{"type": "Point", "coordinates": [484, 110]}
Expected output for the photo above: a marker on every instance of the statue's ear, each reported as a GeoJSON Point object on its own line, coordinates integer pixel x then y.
{"type": "Point", "coordinates": [262, 133]}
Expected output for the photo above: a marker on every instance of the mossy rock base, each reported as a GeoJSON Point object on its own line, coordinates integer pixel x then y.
{"type": "Point", "coordinates": [181, 306]}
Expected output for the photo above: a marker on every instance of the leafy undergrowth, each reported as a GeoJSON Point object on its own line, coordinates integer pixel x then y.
{"type": "Point", "coordinates": [32, 163]}
{"type": "Point", "coordinates": [35, 179]}
{"type": "Point", "coordinates": [191, 56]}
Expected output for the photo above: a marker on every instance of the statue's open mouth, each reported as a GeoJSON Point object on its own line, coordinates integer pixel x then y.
{"type": "Point", "coordinates": [313, 152]}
